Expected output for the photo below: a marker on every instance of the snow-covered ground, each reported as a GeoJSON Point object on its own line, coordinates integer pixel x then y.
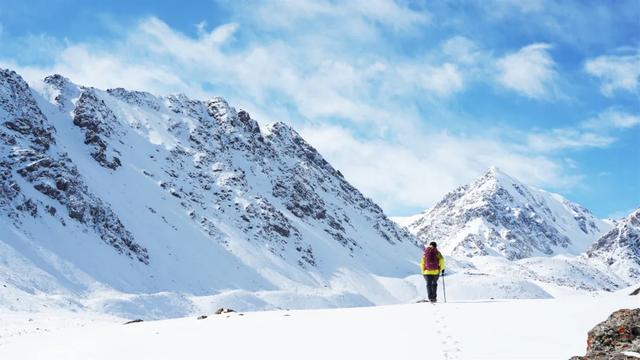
{"type": "Point", "coordinates": [492, 329]}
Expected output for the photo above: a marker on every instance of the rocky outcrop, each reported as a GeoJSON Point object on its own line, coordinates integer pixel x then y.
{"type": "Point", "coordinates": [615, 338]}
{"type": "Point", "coordinates": [28, 150]}
{"type": "Point", "coordinates": [97, 121]}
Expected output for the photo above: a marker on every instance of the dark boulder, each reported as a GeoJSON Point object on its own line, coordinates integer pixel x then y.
{"type": "Point", "coordinates": [614, 337]}
{"type": "Point", "coordinates": [224, 311]}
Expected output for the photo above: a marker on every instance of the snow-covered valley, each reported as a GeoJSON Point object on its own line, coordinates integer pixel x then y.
{"type": "Point", "coordinates": [493, 329]}
{"type": "Point", "coordinates": [118, 205]}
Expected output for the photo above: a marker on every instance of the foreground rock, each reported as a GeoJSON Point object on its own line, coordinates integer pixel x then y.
{"type": "Point", "coordinates": [224, 311]}
{"type": "Point", "coordinates": [618, 337]}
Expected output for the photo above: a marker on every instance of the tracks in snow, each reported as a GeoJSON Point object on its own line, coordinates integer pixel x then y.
{"type": "Point", "coordinates": [450, 345]}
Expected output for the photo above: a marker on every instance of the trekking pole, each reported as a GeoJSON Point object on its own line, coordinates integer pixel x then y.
{"type": "Point", "coordinates": [444, 289]}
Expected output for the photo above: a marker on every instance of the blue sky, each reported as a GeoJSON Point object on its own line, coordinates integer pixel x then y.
{"type": "Point", "coordinates": [407, 99]}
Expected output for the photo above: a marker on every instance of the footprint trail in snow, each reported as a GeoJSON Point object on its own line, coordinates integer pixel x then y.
{"type": "Point", "coordinates": [450, 346]}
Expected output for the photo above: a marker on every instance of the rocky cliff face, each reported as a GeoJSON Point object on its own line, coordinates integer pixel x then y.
{"type": "Point", "coordinates": [28, 156]}
{"type": "Point", "coordinates": [498, 215]}
{"type": "Point", "coordinates": [619, 249]}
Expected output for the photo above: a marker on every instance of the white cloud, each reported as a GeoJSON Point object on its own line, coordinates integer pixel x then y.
{"type": "Point", "coordinates": [443, 80]}
{"type": "Point", "coordinates": [596, 132]}
{"type": "Point", "coordinates": [418, 172]}
{"type": "Point", "coordinates": [530, 71]}
{"type": "Point", "coordinates": [104, 70]}
{"type": "Point", "coordinates": [621, 214]}
{"type": "Point", "coordinates": [616, 72]}
{"type": "Point", "coordinates": [201, 27]}
{"type": "Point", "coordinates": [352, 17]}
{"type": "Point", "coordinates": [439, 80]}
{"type": "Point", "coordinates": [613, 119]}
{"type": "Point", "coordinates": [461, 50]}
{"type": "Point", "coordinates": [566, 138]}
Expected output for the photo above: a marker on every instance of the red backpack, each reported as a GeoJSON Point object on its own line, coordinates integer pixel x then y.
{"type": "Point", "coordinates": [431, 259]}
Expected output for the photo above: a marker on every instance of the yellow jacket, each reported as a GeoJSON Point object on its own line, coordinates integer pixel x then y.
{"type": "Point", "coordinates": [432, 272]}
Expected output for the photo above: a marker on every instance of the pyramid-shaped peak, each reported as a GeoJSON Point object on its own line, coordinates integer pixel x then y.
{"type": "Point", "coordinates": [496, 172]}
{"type": "Point", "coordinates": [497, 176]}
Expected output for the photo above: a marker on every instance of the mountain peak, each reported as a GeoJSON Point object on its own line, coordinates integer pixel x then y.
{"type": "Point", "coordinates": [495, 174]}
{"type": "Point", "coordinates": [498, 215]}
{"type": "Point", "coordinates": [60, 91]}
{"type": "Point", "coordinates": [493, 170]}
{"type": "Point", "coordinates": [57, 80]}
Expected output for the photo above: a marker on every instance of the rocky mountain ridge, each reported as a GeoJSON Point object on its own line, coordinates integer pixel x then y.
{"type": "Point", "coordinates": [187, 195]}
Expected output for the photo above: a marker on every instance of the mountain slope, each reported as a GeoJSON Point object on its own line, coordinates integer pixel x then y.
{"type": "Point", "coordinates": [125, 191]}
{"type": "Point", "coordinates": [498, 215]}
{"type": "Point", "coordinates": [619, 249]}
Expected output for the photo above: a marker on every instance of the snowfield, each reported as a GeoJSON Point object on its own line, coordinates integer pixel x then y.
{"type": "Point", "coordinates": [492, 329]}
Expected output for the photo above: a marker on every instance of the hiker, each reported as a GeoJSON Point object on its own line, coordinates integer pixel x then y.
{"type": "Point", "coordinates": [432, 265]}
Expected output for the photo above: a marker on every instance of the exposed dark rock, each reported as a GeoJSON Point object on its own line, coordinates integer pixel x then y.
{"type": "Point", "coordinates": [98, 121]}
{"type": "Point", "coordinates": [82, 206]}
{"type": "Point", "coordinates": [138, 98]}
{"type": "Point", "coordinates": [619, 333]}
{"type": "Point", "coordinates": [66, 91]}
{"type": "Point", "coordinates": [223, 310]}
{"type": "Point", "coordinates": [133, 321]}
{"type": "Point", "coordinates": [24, 116]}
{"type": "Point", "coordinates": [29, 207]}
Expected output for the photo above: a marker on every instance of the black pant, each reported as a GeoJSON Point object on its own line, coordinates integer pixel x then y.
{"type": "Point", "coordinates": [432, 286]}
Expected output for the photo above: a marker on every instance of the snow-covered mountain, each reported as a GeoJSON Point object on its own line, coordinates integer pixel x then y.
{"type": "Point", "coordinates": [124, 192]}
{"type": "Point", "coordinates": [619, 249]}
{"type": "Point", "coordinates": [503, 234]}
{"type": "Point", "coordinates": [499, 215]}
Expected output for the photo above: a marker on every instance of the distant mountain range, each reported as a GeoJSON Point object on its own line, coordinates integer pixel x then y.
{"type": "Point", "coordinates": [497, 216]}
